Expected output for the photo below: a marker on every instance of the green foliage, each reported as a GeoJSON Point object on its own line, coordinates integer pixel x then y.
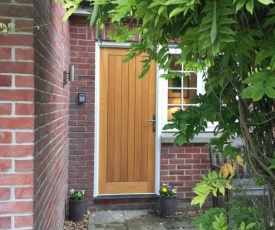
{"type": "Point", "coordinates": [5, 29]}
{"type": "Point", "coordinates": [220, 222]}
{"type": "Point", "coordinates": [212, 183]}
{"type": "Point", "coordinates": [77, 194]}
{"type": "Point", "coordinates": [241, 213]}
{"type": "Point", "coordinates": [71, 6]}
{"type": "Point", "coordinates": [260, 84]}
{"type": "Point", "coordinates": [204, 221]}
{"type": "Point", "coordinates": [247, 212]}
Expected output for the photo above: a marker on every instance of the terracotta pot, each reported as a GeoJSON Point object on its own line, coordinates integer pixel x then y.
{"type": "Point", "coordinates": [76, 209]}
{"type": "Point", "coordinates": [168, 205]}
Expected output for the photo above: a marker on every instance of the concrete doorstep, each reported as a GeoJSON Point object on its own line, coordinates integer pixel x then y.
{"type": "Point", "coordinates": [136, 220]}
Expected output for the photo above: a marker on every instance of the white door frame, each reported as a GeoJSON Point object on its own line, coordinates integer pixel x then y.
{"type": "Point", "coordinates": [158, 129]}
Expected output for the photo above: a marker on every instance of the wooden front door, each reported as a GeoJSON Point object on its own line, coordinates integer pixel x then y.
{"type": "Point", "coordinates": [126, 139]}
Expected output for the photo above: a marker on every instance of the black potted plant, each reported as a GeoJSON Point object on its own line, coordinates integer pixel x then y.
{"type": "Point", "coordinates": [168, 200]}
{"type": "Point", "coordinates": [77, 201]}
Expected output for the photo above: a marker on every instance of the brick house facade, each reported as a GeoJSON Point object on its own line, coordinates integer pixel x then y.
{"type": "Point", "coordinates": [47, 138]}
{"type": "Point", "coordinates": [180, 166]}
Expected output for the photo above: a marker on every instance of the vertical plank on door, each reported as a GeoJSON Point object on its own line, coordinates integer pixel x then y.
{"type": "Point", "coordinates": [145, 125]}
{"type": "Point", "coordinates": [151, 135]}
{"type": "Point", "coordinates": [103, 118]}
{"type": "Point", "coordinates": [138, 124]}
{"type": "Point", "coordinates": [117, 114]}
{"type": "Point", "coordinates": [131, 121]}
{"type": "Point", "coordinates": [110, 141]}
{"type": "Point", "coordinates": [124, 121]}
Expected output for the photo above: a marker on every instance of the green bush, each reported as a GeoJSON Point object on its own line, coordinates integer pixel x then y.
{"type": "Point", "coordinates": [205, 220]}
{"type": "Point", "coordinates": [246, 209]}
{"type": "Point", "coordinates": [242, 212]}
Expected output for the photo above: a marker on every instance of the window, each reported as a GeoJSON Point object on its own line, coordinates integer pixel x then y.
{"type": "Point", "coordinates": [177, 93]}
{"type": "Point", "coordinates": [182, 88]}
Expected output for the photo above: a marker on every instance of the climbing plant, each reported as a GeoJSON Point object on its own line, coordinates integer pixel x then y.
{"type": "Point", "coordinates": [5, 28]}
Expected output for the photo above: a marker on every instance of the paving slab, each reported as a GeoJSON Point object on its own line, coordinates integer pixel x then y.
{"type": "Point", "coordinates": [136, 220]}
{"type": "Point", "coordinates": [143, 220]}
{"type": "Point", "coordinates": [178, 222]}
{"type": "Point", "coordinates": [113, 220]}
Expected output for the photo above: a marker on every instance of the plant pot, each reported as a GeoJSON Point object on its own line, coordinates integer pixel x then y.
{"type": "Point", "coordinates": [76, 209]}
{"type": "Point", "coordinates": [168, 205]}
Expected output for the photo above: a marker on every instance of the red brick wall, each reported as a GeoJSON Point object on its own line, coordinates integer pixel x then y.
{"type": "Point", "coordinates": [51, 57]}
{"type": "Point", "coordinates": [81, 156]}
{"type": "Point", "coordinates": [182, 167]}
{"type": "Point", "coordinates": [16, 117]}
{"type": "Point", "coordinates": [33, 116]}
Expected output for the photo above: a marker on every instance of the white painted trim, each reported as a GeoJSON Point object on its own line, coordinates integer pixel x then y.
{"type": "Point", "coordinates": [159, 108]}
{"type": "Point", "coordinates": [80, 11]}
{"type": "Point", "coordinates": [159, 96]}
{"type": "Point", "coordinates": [96, 143]}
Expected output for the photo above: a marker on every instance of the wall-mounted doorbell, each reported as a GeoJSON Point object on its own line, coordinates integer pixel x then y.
{"type": "Point", "coordinates": [82, 97]}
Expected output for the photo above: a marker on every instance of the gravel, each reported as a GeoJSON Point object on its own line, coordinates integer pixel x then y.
{"type": "Point", "coordinates": [80, 225]}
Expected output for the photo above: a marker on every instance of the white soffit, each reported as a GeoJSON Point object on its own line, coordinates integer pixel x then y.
{"type": "Point", "coordinates": [82, 10]}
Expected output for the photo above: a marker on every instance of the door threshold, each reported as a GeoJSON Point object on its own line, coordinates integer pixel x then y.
{"type": "Point", "coordinates": [126, 196]}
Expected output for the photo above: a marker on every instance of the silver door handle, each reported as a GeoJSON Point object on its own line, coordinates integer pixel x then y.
{"type": "Point", "coordinates": [154, 122]}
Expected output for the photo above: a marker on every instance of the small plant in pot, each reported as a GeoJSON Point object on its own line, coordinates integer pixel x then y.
{"type": "Point", "coordinates": [77, 201]}
{"type": "Point", "coordinates": [168, 200]}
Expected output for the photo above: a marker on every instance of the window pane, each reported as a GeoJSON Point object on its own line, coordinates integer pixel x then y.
{"type": "Point", "coordinates": [174, 97]}
{"type": "Point", "coordinates": [191, 93]}
{"type": "Point", "coordinates": [171, 110]}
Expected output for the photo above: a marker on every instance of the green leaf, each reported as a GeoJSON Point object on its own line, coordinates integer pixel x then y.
{"type": "Point", "coordinates": [250, 6]}
{"type": "Point", "coordinates": [222, 190]}
{"type": "Point", "coordinates": [242, 226]}
{"type": "Point", "coordinates": [173, 2]}
{"type": "Point", "coordinates": [215, 192]}
{"type": "Point", "coordinates": [180, 140]}
{"type": "Point", "coordinates": [269, 91]}
{"type": "Point", "coordinates": [155, 3]}
{"type": "Point", "coordinates": [265, 53]}
{"type": "Point", "coordinates": [266, 2]}
{"type": "Point", "coordinates": [161, 9]}
{"type": "Point", "coordinates": [198, 200]}
{"type": "Point", "coordinates": [94, 16]}
{"type": "Point", "coordinates": [251, 225]}
{"type": "Point", "coordinates": [214, 175]}
{"type": "Point", "coordinates": [254, 92]}
{"type": "Point", "coordinates": [71, 5]}
{"type": "Point", "coordinates": [240, 4]}
{"type": "Point", "coordinates": [213, 32]}
{"type": "Point", "coordinates": [176, 12]}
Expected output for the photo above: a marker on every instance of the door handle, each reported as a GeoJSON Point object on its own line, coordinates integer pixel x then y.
{"type": "Point", "coordinates": [153, 121]}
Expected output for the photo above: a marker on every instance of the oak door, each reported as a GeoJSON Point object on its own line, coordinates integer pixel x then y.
{"type": "Point", "coordinates": [126, 137]}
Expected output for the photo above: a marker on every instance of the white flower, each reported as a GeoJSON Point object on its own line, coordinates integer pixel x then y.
{"type": "Point", "coordinates": [72, 191]}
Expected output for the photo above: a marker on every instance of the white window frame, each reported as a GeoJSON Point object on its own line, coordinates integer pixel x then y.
{"type": "Point", "coordinates": [163, 96]}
